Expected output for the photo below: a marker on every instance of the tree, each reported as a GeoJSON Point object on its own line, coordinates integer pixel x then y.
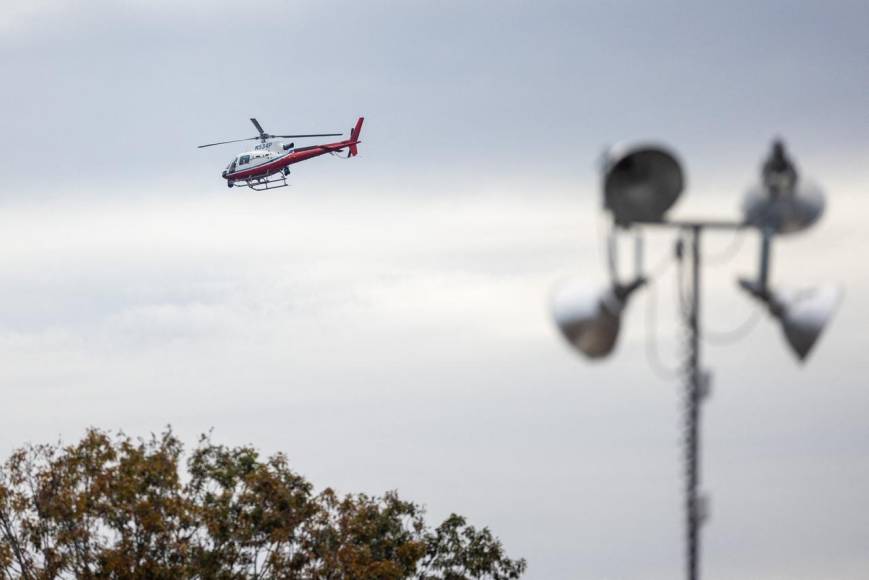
{"type": "Point", "coordinates": [110, 506]}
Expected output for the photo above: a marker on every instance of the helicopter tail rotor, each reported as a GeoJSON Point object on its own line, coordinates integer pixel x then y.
{"type": "Point", "coordinates": [354, 137]}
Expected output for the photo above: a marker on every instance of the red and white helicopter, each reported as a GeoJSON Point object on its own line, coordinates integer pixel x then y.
{"type": "Point", "coordinates": [267, 166]}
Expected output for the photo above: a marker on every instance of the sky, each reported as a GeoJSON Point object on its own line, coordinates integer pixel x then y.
{"type": "Point", "coordinates": [385, 320]}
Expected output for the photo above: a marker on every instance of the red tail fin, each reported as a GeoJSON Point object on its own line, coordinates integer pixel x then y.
{"type": "Point", "coordinates": [354, 136]}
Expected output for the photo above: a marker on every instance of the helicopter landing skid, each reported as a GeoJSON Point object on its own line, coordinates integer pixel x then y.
{"type": "Point", "coordinates": [265, 184]}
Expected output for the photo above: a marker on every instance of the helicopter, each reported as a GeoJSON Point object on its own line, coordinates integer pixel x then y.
{"type": "Point", "coordinates": [267, 166]}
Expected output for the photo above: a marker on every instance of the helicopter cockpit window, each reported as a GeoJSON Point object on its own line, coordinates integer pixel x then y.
{"type": "Point", "coordinates": [244, 159]}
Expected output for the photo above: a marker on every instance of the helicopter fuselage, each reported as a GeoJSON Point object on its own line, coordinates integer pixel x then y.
{"type": "Point", "coordinates": [265, 162]}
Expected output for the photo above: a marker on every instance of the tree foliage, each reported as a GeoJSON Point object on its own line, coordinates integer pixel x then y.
{"type": "Point", "coordinates": [113, 507]}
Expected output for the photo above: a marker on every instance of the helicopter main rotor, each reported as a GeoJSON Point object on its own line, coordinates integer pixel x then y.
{"type": "Point", "coordinates": [263, 136]}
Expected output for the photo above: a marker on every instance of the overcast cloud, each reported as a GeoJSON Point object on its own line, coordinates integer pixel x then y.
{"type": "Point", "coordinates": [384, 320]}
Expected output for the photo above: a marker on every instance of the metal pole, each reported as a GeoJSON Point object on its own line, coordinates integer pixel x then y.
{"type": "Point", "coordinates": [693, 398]}
{"type": "Point", "coordinates": [765, 249]}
